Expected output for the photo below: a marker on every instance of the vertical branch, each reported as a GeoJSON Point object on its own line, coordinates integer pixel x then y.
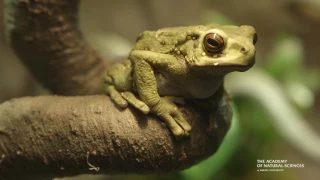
{"type": "Point", "coordinates": [46, 37]}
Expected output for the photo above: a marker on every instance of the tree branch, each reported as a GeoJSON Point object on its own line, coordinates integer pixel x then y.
{"type": "Point", "coordinates": [46, 37]}
{"type": "Point", "coordinates": [51, 136]}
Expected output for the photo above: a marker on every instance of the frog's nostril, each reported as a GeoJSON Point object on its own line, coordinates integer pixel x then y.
{"type": "Point", "coordinates": [243, 49]}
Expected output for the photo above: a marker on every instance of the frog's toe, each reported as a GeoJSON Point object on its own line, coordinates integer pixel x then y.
{"type": "Point", "coordinates": [121, 102]}
{"type": "Point", "coordinates": [134, 101]}
{"type": "Point", "coordinates": [182, 122]}
{"type": "Point", "coordinates": [177, 131]}
{"type": "Point", "coordinates": [107, 79]}
{"type": "Point", "coordinates": [116, 96]}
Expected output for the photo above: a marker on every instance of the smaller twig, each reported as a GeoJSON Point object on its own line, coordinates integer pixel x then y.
{"type": "Point", "coordinates": [92, 167]}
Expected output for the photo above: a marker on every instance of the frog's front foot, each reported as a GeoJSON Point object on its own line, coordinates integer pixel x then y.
{"type": "Point", "coordinates": [174, 119]}
{"type": "Point", "coordinates": [123, 98]}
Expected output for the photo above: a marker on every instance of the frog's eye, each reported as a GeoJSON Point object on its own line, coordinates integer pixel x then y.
{"type": "Point", "coordinates": [213, 42]}
{"type": "Point", "coordinates": [255, 38]}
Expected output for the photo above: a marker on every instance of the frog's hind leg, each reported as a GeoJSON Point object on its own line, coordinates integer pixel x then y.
{"type": "Point", "coordinates": [134, 101]}
{"type": "Point", "coordinates": [116, 96]}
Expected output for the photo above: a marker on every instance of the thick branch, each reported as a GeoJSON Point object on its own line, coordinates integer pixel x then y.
{"type": "Point", "coordinates": [46, 37]}
{"type": "Point", "coordinates": [50, 136]}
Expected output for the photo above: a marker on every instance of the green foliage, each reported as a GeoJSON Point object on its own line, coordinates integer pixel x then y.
{"type": "Point", "coordinates": [286, 58]}
{"type": "Point", "coordinates": [286, 63]}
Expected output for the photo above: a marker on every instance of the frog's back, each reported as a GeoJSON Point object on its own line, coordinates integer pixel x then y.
{"type": "Point", "coordinates": [164, 40]}
{"type": "Point", "coordinates": [150, 41]}
{"type": "Point", "coordinates": [147, 41]}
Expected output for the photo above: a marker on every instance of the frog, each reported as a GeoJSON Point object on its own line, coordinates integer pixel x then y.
{"type": "Point", "coordinates": [172, 65]}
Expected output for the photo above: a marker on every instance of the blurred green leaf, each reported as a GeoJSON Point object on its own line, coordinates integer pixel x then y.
{"type": "Point", "coordinates": [286, 63]}
{"type": "Point", "coordinates": [255, 121]}
{"type": "Point", "coordinates": [286, 58]}
{"type": "Point", "coordinates": [299, 93]}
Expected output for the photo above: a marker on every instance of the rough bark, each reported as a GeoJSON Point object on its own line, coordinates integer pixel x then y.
{"type": "Point", "coordinates": [52, 136]}
{"type": "Point", "coordinates": [46, 37]}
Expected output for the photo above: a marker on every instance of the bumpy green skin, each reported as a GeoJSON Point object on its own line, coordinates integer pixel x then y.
{"type": "Point", "coordinates": [171, 64]}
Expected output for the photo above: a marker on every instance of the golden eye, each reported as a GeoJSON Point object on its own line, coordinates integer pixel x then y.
{"type": "Point", "coordinates": [213, 42]}
{"type": "Point", "coordinates": [255, 38]}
